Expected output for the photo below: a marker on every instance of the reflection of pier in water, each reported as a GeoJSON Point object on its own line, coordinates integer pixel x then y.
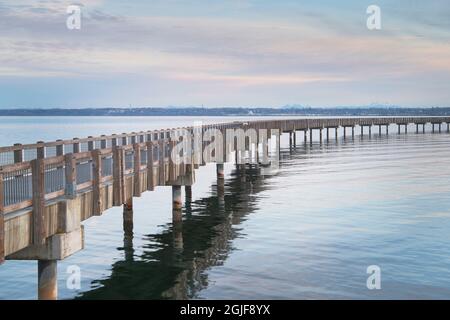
{"type": "Point", "coordinates": [174, 265]}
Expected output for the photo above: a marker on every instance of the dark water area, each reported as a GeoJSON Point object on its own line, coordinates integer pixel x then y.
{"type": "Point", "coordinates": [174, 263]}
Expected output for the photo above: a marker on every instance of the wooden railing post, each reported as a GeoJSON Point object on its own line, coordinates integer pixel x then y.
{"type": "Point", "coordinates": [161, 161]}
{"type": "Point", "coordinates": [40, 150]}
{"type": "Point", "coordinates": [38, 184]}
{"type": "Point", "coordinates": [137, 170]}
{"type": "Point", "coordinates": [114, 141]}
{"type": "Point", "coordinates": [2, 222]}
{"type": "Point", "coordinates": [118, 182]}
{"type": "Point", "coordinates": [60, 148]}
{"type": "Point", "coordinates": [91, 145]}
{"type": "Point", "coordinates": [172, 166]}
{"type": "Point", "coordinates": [103, 142]}
{"type": "Point", "coordinates": [97, 181]}
{"type": "Point", "coordinates": [150, 161]}
{"type": "Point", "coordinates": [76, 146]}
{"type": "Point", "coordinates": [18, 154]}
{"type": "Point", "coordinates": [71, 176]}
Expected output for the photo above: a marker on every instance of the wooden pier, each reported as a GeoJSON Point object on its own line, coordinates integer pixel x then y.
{"type": "Point", "coordinates": [48, 189]}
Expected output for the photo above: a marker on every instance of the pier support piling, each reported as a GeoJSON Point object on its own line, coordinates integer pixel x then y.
{"type": "Point", "coordinates": [128, 215]}
{"type": "Point", "coordinates": [177, 202]}
{"type": "Point", "coordinates": [220, 171]}
{"type": "Point", "coordinates": [47, 280]}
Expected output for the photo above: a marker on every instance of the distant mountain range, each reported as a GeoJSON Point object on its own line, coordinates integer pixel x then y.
{"type": "Point", "coordinates": [379, 110]}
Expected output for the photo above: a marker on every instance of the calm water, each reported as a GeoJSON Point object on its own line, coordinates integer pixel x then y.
{"type": "Point", "coordinates": [308, 231]}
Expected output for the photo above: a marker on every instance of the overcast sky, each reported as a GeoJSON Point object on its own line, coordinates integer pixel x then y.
{"type": "Point", "coordinates": [224, 53]}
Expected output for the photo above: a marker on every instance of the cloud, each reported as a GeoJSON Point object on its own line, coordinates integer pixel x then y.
{"type": "Point", "coordinates": [318, 50]}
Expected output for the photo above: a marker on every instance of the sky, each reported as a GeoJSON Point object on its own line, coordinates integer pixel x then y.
{"type": "Point", "coordinates": [218, 53]}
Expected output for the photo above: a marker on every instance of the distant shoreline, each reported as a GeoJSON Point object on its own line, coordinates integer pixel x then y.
{"type": "Point", "coordinates": [231, 112]}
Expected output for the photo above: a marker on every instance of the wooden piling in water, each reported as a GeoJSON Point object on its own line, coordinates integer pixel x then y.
{"type": "Point", "coordinates": [47, 280]}
{"type": "Point", "coordinates": [220, 170]}
{"type": "Point", "coordinates": [177, 202]}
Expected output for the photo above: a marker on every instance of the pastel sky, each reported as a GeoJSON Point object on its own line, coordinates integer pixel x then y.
{"type": "Point", "coordinates": [224, 53]}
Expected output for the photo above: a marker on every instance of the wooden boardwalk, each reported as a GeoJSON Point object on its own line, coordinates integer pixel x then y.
{"type": "Point", "coordinates": [48, 189]}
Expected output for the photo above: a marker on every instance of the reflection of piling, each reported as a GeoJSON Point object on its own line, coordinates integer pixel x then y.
{"type": "Point", "coordinates": [128, 230]}
{"type": "Point", "coordinates": [188, 193]}
{"type": "Point", "coordinates": [177, 215]}
{"type": "Point", "coordinates": [177, 234]}
{"type": "Point", "coordinates": [221, 190]}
